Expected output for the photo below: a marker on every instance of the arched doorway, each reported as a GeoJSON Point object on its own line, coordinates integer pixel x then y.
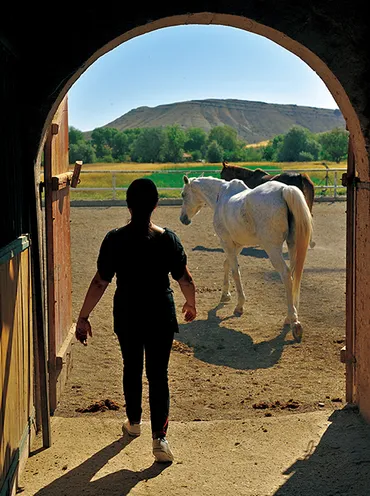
{"type": "Point", "coordinates": [311, 25]}
{"type": "Point", "coordinates": [357, 148]}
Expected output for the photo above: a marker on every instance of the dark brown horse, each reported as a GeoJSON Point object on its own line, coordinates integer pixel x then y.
{"type": "Point", "coordinates": [253, 178]}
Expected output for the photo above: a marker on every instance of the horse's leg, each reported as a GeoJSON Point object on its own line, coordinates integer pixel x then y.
{"type": "Point", "coordinates": [232, 255]}
{"type": "Point", "coordinates": [276, 257]}
{"type": "Point", "coordinates": [226, 296]}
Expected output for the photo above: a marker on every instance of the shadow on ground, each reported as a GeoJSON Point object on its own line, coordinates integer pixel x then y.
{"type": "Point", "coordinates": [340, 464]}
{"type": "Point", "coordinates": [115, 484]}
{"type": "Point", "coordinates": [246, 252]}
{"type": "Point", "coordinates": [219, 345]}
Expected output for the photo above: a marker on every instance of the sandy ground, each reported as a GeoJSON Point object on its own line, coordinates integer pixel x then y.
{"type": "Point", "coordinates": [222, 365]}
{"type": "Point", "coordinates": [310, 454]}
{"type": "Point", "coordinates": [252, 411]}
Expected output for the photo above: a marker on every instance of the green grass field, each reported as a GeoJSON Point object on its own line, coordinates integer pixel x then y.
{"type": "Point", "coordinates": [171, 176]}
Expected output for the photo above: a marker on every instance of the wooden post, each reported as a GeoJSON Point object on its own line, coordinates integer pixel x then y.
{"type": "Point", "coordinates": [114, 185]}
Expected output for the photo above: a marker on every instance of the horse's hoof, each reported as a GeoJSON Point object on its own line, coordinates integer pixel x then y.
{"type": "Point", "coordinates": [312, 244]}
{"type": "Point", "coordinates": [297, 331]}
{"type": "Point", "coordinates": [225, 298]}
{"type": "Point", "coordinates": [238, 312]}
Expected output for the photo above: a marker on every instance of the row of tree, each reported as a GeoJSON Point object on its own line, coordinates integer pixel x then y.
{"type": "Point", "coordinates": [174, 144]}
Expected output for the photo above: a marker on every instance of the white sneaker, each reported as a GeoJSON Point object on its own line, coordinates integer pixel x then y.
{"type": "Point", "coordinates": [133, 430]}
{"type": "Point", "coordinates": [161, 450]}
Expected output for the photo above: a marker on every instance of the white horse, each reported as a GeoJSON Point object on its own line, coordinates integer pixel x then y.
{"type": "Point", "coordinates": [266, 216]}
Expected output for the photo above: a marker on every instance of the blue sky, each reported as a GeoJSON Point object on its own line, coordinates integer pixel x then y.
{"type": "Point", "coordinates": [192, 62]}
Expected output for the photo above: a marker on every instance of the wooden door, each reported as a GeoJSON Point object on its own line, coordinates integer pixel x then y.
{"type": "Point", "coordinates": [349, 357]}
{"type": "Point", "coordinates": [58, 252]}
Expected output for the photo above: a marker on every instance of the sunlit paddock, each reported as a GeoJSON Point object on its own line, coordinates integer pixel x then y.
{"type": "Point", "coordinates": [223, 365]}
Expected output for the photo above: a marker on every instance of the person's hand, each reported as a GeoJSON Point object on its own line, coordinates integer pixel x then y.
{"type": "Point", "coordinates": [189, 311]}
{"type": "Point", "coordinates": [83, 329]}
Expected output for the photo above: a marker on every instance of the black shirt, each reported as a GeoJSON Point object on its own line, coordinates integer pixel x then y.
{"type": "Point", "coordinates": [142, 265]}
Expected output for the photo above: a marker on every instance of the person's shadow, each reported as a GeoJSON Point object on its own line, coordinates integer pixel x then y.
{"type": "Point", "coordinates": [338, 465]}
{"type": "Point", "coordinates": [78, 480]}
{"type": "Point", "coordinates": [219, 345]}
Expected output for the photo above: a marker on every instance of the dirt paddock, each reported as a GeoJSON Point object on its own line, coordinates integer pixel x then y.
{"type": "Point", "coordinates": [222, 367]}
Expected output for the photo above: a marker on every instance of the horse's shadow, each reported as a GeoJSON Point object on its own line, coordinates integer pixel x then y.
{"type": "Point", "coordinates": [246, 252]}
{"type": "Point", "coordinates": [219, 345]}
{"type": "Point", "coordinates": [120, 483]}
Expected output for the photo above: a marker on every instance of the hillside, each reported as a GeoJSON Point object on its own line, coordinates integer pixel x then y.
{"type": "Point", "coordinates": [254, 121]}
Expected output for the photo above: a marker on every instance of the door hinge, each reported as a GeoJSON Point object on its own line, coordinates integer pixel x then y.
{"type": "Point", "coordinates": [349, 180]}
{"type": "Point", "coordinates": [54, 129]}
{"type": "Point", "coordinates": [363, 185]}
{"type": "Point", "coordinates": [354, 181]}
{"type": "Point", "coordinates": [345, 357]}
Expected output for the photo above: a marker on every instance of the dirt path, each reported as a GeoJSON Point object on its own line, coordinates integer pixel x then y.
{"type": "Point", "coordinates": [222, 365]}
{"type": "Point", "coordinates": [312, 454]}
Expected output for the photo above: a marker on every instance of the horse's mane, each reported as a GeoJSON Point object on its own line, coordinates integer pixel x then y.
{"type": "Point", "coordinates": [240, 172]}
{"type": "Point", "coordinates": [228, 166]}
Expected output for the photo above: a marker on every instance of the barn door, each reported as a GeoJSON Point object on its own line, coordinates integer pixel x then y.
{"type": "Point", "coordinates": [58, 253]}
{"type": "Point", "coordinates": [349, 358]}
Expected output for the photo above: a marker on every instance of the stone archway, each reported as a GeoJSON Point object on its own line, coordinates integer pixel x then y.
{"type": "Point", "coordinates": [359, 166]}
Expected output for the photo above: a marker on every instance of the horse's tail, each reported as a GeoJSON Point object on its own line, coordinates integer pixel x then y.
{"type": "Point", "coordinates": [300, 232]}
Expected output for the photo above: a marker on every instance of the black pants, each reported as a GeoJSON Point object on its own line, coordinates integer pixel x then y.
{"type": "Point", "coordinates": [157, 348]}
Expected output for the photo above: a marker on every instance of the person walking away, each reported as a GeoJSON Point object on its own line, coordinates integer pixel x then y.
{"type": "Point", "coordinates": [142, 255]}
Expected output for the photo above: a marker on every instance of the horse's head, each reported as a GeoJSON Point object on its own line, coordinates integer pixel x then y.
{"type": "Point", "coordinates": [226, 172]}
{"type": "Point", "coordinates": [192, 201]}
{"type": "Point", "coordinates": [230, 172]}
{"type": "Point", "coordinates": [251, 178]}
